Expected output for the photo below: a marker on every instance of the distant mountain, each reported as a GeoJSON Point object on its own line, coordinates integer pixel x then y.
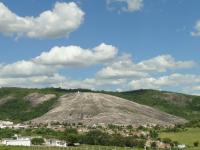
{"type": "Point", "coordinates": [20, 104]}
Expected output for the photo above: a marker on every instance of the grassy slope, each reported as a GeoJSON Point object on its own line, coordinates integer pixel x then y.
{"type": "Point", "coordinates": [185, 106]}
{"type": "Point", "coordinates": [18, 109]}
{"type": "Point", "coordinates": [187, 137]}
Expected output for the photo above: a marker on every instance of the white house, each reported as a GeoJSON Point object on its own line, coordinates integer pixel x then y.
{"type": "Point", "coordinates": [55, 143]}
{"type": "Point", "coordinates": [5, 124]}
{"type": "Point", "coordinates": [20, 126]}
{"type": "Point", "coordinates": [19, 141]}
{"type": "Point", "coordinates": [181, 146]}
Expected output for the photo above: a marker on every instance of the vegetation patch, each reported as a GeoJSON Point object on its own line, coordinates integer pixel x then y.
{"type": "Point", "coordinates": [188, 137]}
{"type": "Point", "coordinates": [186, 106]}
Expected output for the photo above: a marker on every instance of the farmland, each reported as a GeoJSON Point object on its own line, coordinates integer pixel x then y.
{"type": "Point", "coordinates": [187, 137]}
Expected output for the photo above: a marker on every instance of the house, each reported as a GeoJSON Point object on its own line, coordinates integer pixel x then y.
{"type": "Point", "coordinates": [162, 145]}
{"type": "Point", "coordinates": [55, 143]}
{"type": "Point", "coordinates": [181, 146]}
{"type": "Point", "coordinates": [140, 133]}
{"type": "Point", "coordinates": [83, 130]}
{"type": "Point", "coordinates": [60, 128]}
{"type": "Point", "coordinates": [6, 124]}
{"type": "Point", "coordinates": [77, 144]}
{"type": "Point", "coordinates": [159, 144]}
{"type": "Point", "coordinates": [20, 126]}
{"type": "Point", "coordinates": [94, 126]}
{"type": "Point", "coordinates": [19, 141]}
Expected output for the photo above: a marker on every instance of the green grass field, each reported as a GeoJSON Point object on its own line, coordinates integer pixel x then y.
{"type": "Point", "coordinates": [187, 137]}
{"type": "Point", "coordinates": [78, 148]}
{"type": "Point", "coordinates": [68, 148]}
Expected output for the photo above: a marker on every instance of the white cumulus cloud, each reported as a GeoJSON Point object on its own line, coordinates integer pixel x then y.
{"type": "Point", "coordinates": [126, 68]}
{"type": "Point", "coordinates": [56, 23]}
{"type": "Point", "coordinates": [75, 56]}
{"type": "Point", "coordinates": [33, 81]}
{"type": "Point", "coordinates": [25, 69]}
{"type": "Point", "coordinates": [116, 71]}
{"type": "Point", "coordinates": [178, 81]}
{"type": "Point", "coordinates": [123, 67]}
{"type": "Point", "coordinates": [162, 63]}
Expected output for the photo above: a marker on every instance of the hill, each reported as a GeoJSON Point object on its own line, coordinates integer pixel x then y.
{"type": "Point", "coordinates": [17, 104]}
{"type": "Point", "coordinates": [20, 104]}
{"type": "Point", "coordinates": [182, 105]}
{"type": "Point", "coordinates": [97, 108]}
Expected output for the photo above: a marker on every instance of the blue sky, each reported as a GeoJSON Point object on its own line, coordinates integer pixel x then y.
{"type": "Point", "coordinates": [159, 31]}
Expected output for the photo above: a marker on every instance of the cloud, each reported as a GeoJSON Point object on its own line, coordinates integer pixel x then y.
{"type": "Point", "coordinates": [60, 22]}
{"type": "Point", "coordinates": [33, 81]}
{"type": "Point", "coordinates": [162, 63]}
{"type": "Point", "coordinates": [25, 69]}
{"type": "Point", "coordinates": [123, 67]}
{"type": "Point", "coordinates": [196, 88]}
{"type": "Point", "coordinates": [132, 5]}
{"type": "Point", "coordinates": [43, 71]}
{"type": "Point", "coordinates": [179, 81]}
{"type": "Point", "coordinates": [126, 68]}
{"type": "Point", "coordinates": [116, 71]}
{"type": "Point", "coordinates": [57, 80]}
{"type": "Point", "coordinates": [75, 56]}
{"type": "Point", "coordinates": [197, 29]}
{"type": "Point", "coordinates": [103, 82]}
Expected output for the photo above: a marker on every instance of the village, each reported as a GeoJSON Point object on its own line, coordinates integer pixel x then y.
{"type": "Point", "coordinates": [146, 134]}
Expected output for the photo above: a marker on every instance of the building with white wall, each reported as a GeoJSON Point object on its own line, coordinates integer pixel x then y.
{"type": "Point", "coordinates": [181, 146]}
{"type": "Point", "coordinates": [5, 124]}
{"type": "Point", "coordinates": [19, 141]}
{"type": "Point", "coordinates": [55, 143]}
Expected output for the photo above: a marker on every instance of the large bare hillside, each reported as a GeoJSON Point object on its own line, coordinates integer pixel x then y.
{"type": "Point", "coordinates": [97, 108]}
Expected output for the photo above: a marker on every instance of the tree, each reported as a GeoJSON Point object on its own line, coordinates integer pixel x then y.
{"type": "Point", "coordinates": [71, 131]}
{"type": "Point", "coordinates": [153, 145]}
{"type": "Point", "coordinates": [167, 140]}
{"type": "Point", "coordinates": [97, 137]}
{"type": "Point", "coordinates": [129, 127]}
{"type": "Point", "coordinates": [196, 143]}
{"type": "Point", "coordinates": [37, 141]}
{"type": "Point", "coordinates": [72, 138]}
{"type": "Point", "coordinates": [154, 134]}
{"type": "Point", "coordinates": [117, 140]}
{"type": "Point", "coordinates": [6, 133]}
{"type": "Point", "coordinates": [176, 143]}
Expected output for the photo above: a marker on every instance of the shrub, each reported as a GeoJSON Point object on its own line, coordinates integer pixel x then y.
{"type": "Point", "coordinates": [153, 145]}
{"type": "Point", "coordinates": [154, 134]}
{"type": "Point", "coordinates": [196, 143]}
{"type": "Point", "coordinates": [37, 141]}
{"type": "Point", "coordinates": [167, 140]}
{"type": "Point", "coordinates": [176, 143]}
